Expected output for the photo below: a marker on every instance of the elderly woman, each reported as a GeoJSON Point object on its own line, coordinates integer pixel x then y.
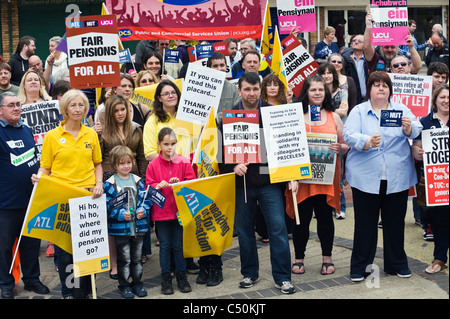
{"type": "Point", "coordinates": [71, 153]}
{"type": "Point", "coordinates": [438, 118]}
{"type": "Point", "coordinates": [32, 88]}
{"type": "Point", "coordinates": [57, 60]}
{"type": "Point", "coordinates": [380, 169]}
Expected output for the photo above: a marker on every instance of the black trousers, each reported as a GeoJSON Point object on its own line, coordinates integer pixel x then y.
{"type": "Point", "coordinates": [367, 209]}
{"type": "Point", "coordinates": [11, 222]}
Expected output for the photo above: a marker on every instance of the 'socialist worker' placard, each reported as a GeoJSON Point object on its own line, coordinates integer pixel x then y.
{"type": "Point", "coordinates": [286, 143]}
{"type": "Point", "coordinates": [241, 137]}
{"type": "Point", "coordinates": [436, 161]}
{"type": "Point", "coordinates": [92, 48]}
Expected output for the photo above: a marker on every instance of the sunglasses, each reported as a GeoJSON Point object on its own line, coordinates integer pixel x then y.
{"type": "Point", "coordinates": [396, 65]}
{"type": "Point", "coordinates": [336, 61]}
{"type": "Point", "coordinates": [357, 41]}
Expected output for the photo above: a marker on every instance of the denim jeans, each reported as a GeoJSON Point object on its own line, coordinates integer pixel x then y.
{"type": "Point", "coordinates": [129, 254]}
{"type": "Point", "coordinates": [170, 235]}
{"type": "Point", "coordinates": [270, 200]}
{"type": "Point", "coordinates": [77, 287]}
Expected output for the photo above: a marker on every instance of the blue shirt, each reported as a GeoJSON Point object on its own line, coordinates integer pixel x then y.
{"type": "Point", "coordinates": [359, 65]}
{"type": "Point", "coordinates": [364, 167]}
{"type": "Point", "coordinates": [18, 162]}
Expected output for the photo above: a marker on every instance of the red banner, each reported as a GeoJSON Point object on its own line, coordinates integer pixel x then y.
{"type": "Point", "coordinates": [174, 20]}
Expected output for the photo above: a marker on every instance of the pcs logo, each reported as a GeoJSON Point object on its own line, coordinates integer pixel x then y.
{"type": "Point", "coordinates": [125, 33]}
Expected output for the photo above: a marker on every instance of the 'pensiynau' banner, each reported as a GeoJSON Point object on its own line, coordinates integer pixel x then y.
{"type": "Point", "coordinates": [298, 14]}
{"type": "Point", "coordinates": [389, 22]}
{"type": "Point", "coordinates": [188, 19]}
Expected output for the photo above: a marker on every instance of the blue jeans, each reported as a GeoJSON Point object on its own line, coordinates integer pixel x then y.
{"type": "Point", "coordinates": [170, 235]}
{"type": "Point", "coordinates": [129, 254]}
{"type": "Point", "coordinates": [271, 202]}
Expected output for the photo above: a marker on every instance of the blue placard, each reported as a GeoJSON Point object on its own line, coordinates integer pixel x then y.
{"type": "Point", "coordinates": [314, 113]}
{"type": "Point", "coordinates": [124, 56]}
{"type": "Point", "coordinates": [204, 51]}
{"type": "Point", "coordinates": [391, 118]}
{"type": "Point", "coordinates": [120, 200]}
{"type": "Point", "coordinates": [171, 56]}
{"type": "Point", "coordinates": [156, 197]}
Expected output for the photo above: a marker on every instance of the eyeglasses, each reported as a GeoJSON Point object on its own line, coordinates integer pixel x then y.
{"type": "Point", "coordinates": [396, 65]}
{"type": "Point", "coordinates": [336, 61]}
{"type": "Point", "coordinates": [357, 41]}
{"type": "Point", "coordinates": [168, 94]}
{"type": "Point", "coordinates": [165, 44]}
{"type": "Point", "coordinates": [13, 105]}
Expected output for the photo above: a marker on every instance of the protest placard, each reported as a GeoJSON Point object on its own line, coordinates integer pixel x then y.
{"type": "Point", "coordinates": [298, 63]}
{"type": "Point", "coordinates": [188, 19]}
{"type": "Point", "coordinates": [435, 143]}
{"type": "Point", "coordinates": [298, 14]}
{"type": "Point", "coordinates": [414, 91]}
{"type": "Point", "coordinates": [146, 94]}
{"type": "Point", "coordinates": [41, 117]}
{"type": "Point", "coordinates": [93, 51]}
{"type": "Point", "coordinates": [89, 235]}
{"type": "Point", "coordinates": [202, 89]}
{"type": "Point", "coordinates": [323, 159]}
{"type": "Point", "coordinates": [241, 137]}
{"type": "Point", "coordinates": [389, 22]}
{"type": "Point", "coordinates": [391, 118]}
{"type": "Point", "coordinates": [286, 143]}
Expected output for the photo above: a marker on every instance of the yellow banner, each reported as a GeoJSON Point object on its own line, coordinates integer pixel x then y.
{"type": "Point", "coordinates": [146, 94]}
{"type": "Point", "coordinates": [206, 212]}
{"type": "Point", "coordinates": [277, 59]}
{"type": "Point", "coordinates": [48, 215]}
{"type": "Point", "coordinates": [206, 154]}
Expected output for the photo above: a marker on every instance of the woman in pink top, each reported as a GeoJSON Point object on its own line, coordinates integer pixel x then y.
{"type": "Point", "coordinates": [166, 169]}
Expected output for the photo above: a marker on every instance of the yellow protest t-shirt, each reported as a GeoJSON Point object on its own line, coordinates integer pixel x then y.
{"type": "Point", "coordinates": [151, 131]}
{"type": "Point", "coordinates": [72, 159]}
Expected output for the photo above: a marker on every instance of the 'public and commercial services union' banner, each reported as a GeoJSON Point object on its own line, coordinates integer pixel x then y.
{"type": "Point", "coordinates": [188, 19]}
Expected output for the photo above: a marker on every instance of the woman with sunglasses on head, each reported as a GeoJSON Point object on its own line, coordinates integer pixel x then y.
{"type": "Point", "coordinates": [345, 82]}
{"type": "Point", "coordinates": [165, 107]}
{"type": "Point", "coordinates": [380, 169]}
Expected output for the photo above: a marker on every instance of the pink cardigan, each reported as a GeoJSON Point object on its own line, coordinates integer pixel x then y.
{"type": "Point", "coordinates": [161, 169]}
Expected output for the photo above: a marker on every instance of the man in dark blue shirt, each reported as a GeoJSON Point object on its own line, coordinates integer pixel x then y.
{"type": "Point", "coordinates": [18, 162]}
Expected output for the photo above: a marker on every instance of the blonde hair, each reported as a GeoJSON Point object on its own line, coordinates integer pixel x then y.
{"type": "Point", "coordinates": [120, 152]}
{"type": "Point", "coordinates": [69, 96]}
{"type": "Point", "coordinates": [22, 96]}
{"type": "Point", "coordinates": [137, 80]}
{"type": "Point", "coordinates": [329, 30]}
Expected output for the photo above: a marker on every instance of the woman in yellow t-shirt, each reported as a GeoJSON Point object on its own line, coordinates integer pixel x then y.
{"type": "Point", "coordinates": [165, 107]}
{"type": "Point", "coordinates": [71, 153]}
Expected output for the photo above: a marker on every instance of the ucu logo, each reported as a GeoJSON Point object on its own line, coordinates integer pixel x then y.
{"type": "Point", "coordinates": [380, 35]}
{"type": "Point", "coordinates": [106, 22]}
{"type": "Point", "coordinates": [288, 24]}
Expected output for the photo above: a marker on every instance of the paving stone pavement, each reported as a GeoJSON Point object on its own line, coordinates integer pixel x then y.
{"type": "Point", "coordinates": [311, 285]}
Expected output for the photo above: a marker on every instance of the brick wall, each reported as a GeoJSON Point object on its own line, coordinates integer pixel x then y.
{"type": "Point", "coordinates": [6, 46]}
